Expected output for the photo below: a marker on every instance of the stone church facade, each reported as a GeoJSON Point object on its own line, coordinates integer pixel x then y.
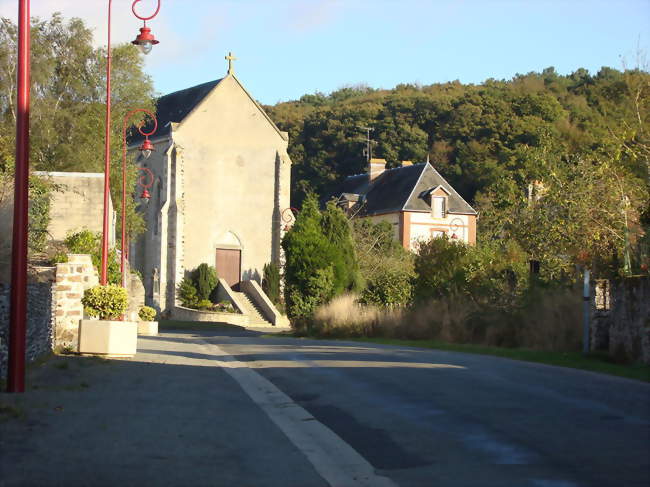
{"type": "Point", "coordinates": [221, 180]}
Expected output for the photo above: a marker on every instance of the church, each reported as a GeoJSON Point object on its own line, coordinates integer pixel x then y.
{"type": "Point", "coordinates": [221, 179]}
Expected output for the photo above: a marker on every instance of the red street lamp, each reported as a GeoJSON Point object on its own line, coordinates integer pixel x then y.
{"type": "Point", "coordinates": [18, 313]}
{"type": "Point", "coordinates": [145, 182]}
{"type": "Point", "coordinates": [146, 148]}
{"type": "Point", "coordinates": [145, 40]}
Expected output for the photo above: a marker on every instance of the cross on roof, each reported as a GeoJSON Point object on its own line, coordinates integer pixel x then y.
{"type": "Point", "coordinates": [230, 58]}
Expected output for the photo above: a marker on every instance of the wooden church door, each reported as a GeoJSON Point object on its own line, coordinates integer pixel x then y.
{"type": "Point", "coordinates": [228, 264]}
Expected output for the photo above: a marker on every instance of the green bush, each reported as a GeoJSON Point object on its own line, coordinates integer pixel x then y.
{"type": "Point", "coordinates": [187, 293]}
{"type": "Point", "coordinates": [147, 313]}
{"type": "Point", "coordinates": [105, 302]}
{"type": "Point", "coordinates": [319, 256]}
{"type": "Point", "coordinates": [87, 242]}
{"type": "Point", "coordinates": [440, 268]}
{"type": "Point", "coordinates": [271, 282]}
{"type": "Point", "coordinates": [204, 304]}
{"type": "Point", "coordinates": [390, 289]}
{"type": "Point", "coordinates": [319, 290]}
{"type": "Point", "coordinates": [205, 280]}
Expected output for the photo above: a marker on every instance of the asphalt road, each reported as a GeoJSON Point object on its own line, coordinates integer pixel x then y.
{"type": "Point", "coordinates": [236, 409]}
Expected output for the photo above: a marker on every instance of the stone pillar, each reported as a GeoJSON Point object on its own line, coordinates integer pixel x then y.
{"type": "Point", "coordinates": [72, 279]}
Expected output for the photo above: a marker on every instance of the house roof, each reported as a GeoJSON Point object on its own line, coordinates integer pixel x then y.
{"type": "Point", "coordinates": [402, 189]}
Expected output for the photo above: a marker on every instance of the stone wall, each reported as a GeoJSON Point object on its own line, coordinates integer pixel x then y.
{"type": "Point", "coordinates": [77, 203]}
{"type": "Point", "coordinates": [72, 279]}
{"type": "Point", "coordinates": [620, 320]}
{"type": "Point", "coordinates": [39, 322]}
{"type": "Point", "coordinates": [179, 313]}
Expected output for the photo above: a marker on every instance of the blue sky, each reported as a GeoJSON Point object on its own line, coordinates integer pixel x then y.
{"type": "Point", "coordinates": [288, 48]}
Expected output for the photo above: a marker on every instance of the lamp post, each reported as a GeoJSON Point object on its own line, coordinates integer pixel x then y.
{"type": "Point", "coordinates": [148, 176]}
{"type": "Point", "coordinates": [18, 313]}
{"type": "Point", "coordinates": [146, 148]}
{"type": "Point", "coordinates": [145, 40]}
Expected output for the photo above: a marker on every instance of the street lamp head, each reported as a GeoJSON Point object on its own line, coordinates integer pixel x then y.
{"type": "Point", "coordinates": [145, 40]}
{"type": "Point", "coordinates": [145, 196]}
{"type": "Point", "coordinates": [146, 148]}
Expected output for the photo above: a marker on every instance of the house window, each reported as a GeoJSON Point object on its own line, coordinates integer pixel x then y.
{"type": "Point", "coordinates": [439, 206]}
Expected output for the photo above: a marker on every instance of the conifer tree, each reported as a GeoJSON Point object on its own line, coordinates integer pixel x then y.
{"type": "Point", "coordinates": [206, 280]}
{"type": "Point", "coordinates": [309, 259]}
{"type": "Point", "coordinates": [336, 229]}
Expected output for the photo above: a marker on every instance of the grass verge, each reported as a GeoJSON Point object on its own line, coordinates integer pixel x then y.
{"type": "Point", "coordinates": [594, 362]}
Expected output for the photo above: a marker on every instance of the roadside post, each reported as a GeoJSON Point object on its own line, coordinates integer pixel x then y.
{"type": "Point", "coordinates": [586, 292]}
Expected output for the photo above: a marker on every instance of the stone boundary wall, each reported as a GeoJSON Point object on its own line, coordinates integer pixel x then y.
{"type": "Point", "coordinates": [39, 322]}
{"type": "Point", "coordinates": [620, 318]}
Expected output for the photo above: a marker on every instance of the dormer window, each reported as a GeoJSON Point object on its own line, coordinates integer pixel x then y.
{"type": "Point", "coordinates": [439, 206]}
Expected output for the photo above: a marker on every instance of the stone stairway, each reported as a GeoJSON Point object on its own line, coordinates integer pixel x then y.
{"type": "Point", "coordinates": [256, 318]}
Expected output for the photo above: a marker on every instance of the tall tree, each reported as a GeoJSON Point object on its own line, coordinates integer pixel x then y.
{"type": "Point", "coordinates": [68, 99]}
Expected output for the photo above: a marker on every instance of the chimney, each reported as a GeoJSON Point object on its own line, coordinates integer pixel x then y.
{"type": "Point", "coordinates": [407, 163]}
{"type": "Point", "coordinates": [375, 168]}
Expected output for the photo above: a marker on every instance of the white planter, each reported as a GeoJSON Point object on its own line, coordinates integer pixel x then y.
{"type": "Point", "coordinates": [108, 338]}
{"type": "Point", "coordinates": [148, 328]}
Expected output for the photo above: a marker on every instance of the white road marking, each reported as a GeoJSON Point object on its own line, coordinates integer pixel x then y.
{"type": "Point", "coordinates": [336, 461]}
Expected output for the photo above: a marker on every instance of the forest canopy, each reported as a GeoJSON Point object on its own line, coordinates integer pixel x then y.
{"type": "Point", "coordinates": [474, 134]}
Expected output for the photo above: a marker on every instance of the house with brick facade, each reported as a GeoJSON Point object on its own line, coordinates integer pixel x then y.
{"type": "Point", "coordinates": [414, 198]}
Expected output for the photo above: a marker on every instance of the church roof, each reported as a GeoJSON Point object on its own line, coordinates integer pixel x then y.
{"type": "Point", "coordinates": [402, 189]}
{"type": "Point", "coordinates": [176, 106]}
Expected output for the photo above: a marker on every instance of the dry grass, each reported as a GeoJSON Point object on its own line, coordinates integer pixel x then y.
{"type": "Point", "coordinates": [550, 320]}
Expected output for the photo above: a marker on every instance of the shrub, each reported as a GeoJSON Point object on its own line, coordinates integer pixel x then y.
{"type": "Point", "coordinates": [336, 229]}
{"type": "Point", "coordinates": [319, 259]}
{"type": "Point", "coordinates": [147, 313]}
{"type": "Point", "coordinates": [87, 242]}
{"type": "Point", "coordinates": [390, 289]}
{"type": "Point", "coordinates": [271, 282]}
{"type": "Point", "coordinates": [205, 281]}
{"type": "Point", "coordinates": [319, 290]}
{"type": "Point", "coordinates": [439, 268]}
{"type": "Point", "coordinates": [187, 293]}
{"type": "Point", "coordinates": [204, 304]}
{"type": "Point", "coordinates": [105, 302]}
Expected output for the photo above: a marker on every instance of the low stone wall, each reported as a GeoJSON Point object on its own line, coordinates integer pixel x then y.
{"type": "Point", "coordinates": [621, 319]}
{"type": "Point", "coordinates": [255, 292]}
{"type": "Point", "coordinates": [225, 293]}
{"type": "Point", "coordinates": [179, 313]}
{"type": "Point", "coordinates": [39, 322]}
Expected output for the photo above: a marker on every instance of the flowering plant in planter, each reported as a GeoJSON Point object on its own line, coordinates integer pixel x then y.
{"type": "Point", "coordinates": [107, 336]}
{"type": "Point", "coordinates": [105, 302]}
{"type": "Point", "coordinates": [147, 313]}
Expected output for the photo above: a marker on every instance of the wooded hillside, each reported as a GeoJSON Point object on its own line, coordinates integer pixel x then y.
{"type": "Point", "coordinates": [475, 135]}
